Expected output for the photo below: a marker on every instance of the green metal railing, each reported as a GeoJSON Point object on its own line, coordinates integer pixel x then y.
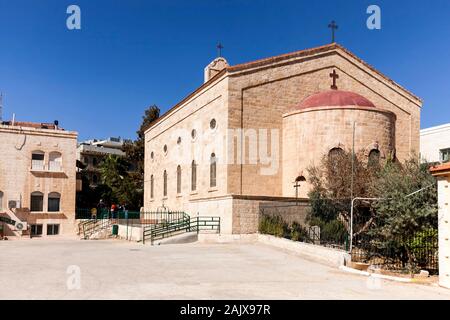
{"type": "Point", "coordinates": [185, 224]}
{"type": "Point", "coordinates": [205, 224]}
{"type": "Point", "coordinates": [155, 225]}
{"type": "Point", "coordinates": [163, 224]}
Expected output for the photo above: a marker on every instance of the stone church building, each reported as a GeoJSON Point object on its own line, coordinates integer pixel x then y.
{"type": "Point", "coordinates": [248, 134]}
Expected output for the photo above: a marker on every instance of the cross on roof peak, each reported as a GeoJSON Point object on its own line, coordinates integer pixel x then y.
{"type": "Point", "coordinates": [219, 49]}
{"type": "Point", "coordinates": [333, 26]}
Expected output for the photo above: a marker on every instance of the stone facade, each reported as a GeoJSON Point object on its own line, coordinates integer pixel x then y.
{"type": "Point", "coordinates": [41, 162]}
{"type": "Point", "coordinates": [306, 136]}
{"type": "Point", "coordinates": [257, 132]}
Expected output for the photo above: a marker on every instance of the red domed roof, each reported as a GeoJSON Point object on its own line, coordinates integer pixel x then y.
{"type": "Point", "coordinates": [335, 98]}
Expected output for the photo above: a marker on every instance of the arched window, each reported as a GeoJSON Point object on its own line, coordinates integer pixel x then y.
{"type": "Point", "coordinates": [374, 157]}
{"type": "Point", "coordinates": [151, 187]}
{"type": "Point", "coordinates": [179, 179]}
{"type": "Point", "coordinates": [37, 202]}
{"type": "Point", "coordinates": [334, 156]}
{"type": "Point", "coordinates": [165, 183]}
{"type": "Point", "coordinates": [213, 170]}
{"type": "Point", "coordinates": [54, 200]}
{"type": "Point", "coordinates": [335, 153]}
{"type": "Point", "coordinates": [1, 201]}
{"type": "Point", "coordinates": [37, 160]}
{"type": "Point", "coordinates": [193, 176]}
{"type": "Point", "coordinates": [54, 161]}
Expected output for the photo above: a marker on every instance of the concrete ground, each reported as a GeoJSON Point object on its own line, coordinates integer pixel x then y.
{"type": "Point", "coordinates": [112, 269]}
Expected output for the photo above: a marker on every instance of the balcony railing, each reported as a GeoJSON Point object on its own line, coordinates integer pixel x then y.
{"type": "Point", "coordinates": [37, 165]}
{"type": "Point", "coordinates": [54, 166]}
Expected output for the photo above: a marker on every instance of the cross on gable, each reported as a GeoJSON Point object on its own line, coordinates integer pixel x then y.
{"type": "Point", "coordinates": [335, 76]}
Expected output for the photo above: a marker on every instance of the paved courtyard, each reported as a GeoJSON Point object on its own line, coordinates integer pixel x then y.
{"type": "Point", "coordinates": [37, 269]}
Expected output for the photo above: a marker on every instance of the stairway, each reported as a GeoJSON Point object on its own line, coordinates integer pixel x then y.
{"type": "Point", "coordinates": [95, 228]}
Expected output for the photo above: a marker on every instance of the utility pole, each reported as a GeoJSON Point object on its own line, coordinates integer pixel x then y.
{"type": "Point", "coordinates": [351, 187]}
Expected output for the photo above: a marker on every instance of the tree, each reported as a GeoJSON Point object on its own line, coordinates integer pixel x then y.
{"type": "Point", "coordinates": [401, 217]}
{"type": "Point", "coordinates": [134, 155]}
{"type": "Point", "coordinates": [331, 190]}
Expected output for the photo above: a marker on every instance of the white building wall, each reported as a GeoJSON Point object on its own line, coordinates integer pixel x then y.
{"type": "Point", "coordinates": [444, 231]}
{"type": "Point", "coordinates": [432, 140]}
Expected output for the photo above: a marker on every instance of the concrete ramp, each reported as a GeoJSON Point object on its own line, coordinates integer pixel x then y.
{"type": "Point", "coordinates": [187, 237]}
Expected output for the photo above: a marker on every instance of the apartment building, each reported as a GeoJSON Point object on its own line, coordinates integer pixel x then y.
{"type": "Point", "coordinates": [37, 179]}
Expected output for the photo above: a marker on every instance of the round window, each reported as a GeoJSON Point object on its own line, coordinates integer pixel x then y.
{"type": "Point", "coordinates": [212, 124]}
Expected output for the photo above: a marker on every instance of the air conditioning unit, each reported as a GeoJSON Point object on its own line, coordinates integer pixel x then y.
{"type": "Point", "coordinates": [20, 226]}
{"type": "Point", "coordinates": [13, 204]}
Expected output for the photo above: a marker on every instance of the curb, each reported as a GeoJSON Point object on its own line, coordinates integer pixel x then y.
{"type": "Point", "coordinates": [376, 275]}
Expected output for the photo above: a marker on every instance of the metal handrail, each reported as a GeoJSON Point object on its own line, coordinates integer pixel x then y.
{"type": "Point", "coordinates": [92, 226]}
{"type": "Point", "coordinates": [185, 224]}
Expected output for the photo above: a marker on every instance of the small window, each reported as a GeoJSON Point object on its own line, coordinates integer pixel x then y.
{"type": "Point", "coordinates": [37, 160]}
{"type": "Point", "coordinates": [36, 229]}
{"type": "Point", "coordinates": [165, 149]}
{"type": "Point", "coordinates": [151, 187]}
{"type": "Point", "coordinates": [37, 155]}
{"type": "Point", "coordinates": [179, 179]}
{"type": "Point", "coordinates": [94, 179]}
{"type": "Point", "coordinates": [179, 141]}
{"type": "Point", "coordinates": [94, 162]}
{"type": "Point", "coordinates": [193, 176]}
{"type": "Point", "coordinates": [374, 158]}
{"type": "Point", "coordinates": [152, 155]}
{"type": "Point", "coordinates": [52, 229]}
{"type": "Point", "coordinates": [213, 170]}
{"type": "Point", "coordinates": [1, 200]}
{"type": "Point", "coordinates": [193, 134]}
{"type": "Point", "coordinates": [165, 183]}
{"type": "Point", "coordinates": [54, 200]}
{"type": "Point", "coordinates": [37, 202]}
{"type": "Point", "coordinates": [445, 155]}
{"type": "Point", "coordinates": [212, 124]}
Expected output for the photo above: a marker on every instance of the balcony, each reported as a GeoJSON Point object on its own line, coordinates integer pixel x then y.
{"type": "Point", "coordinates": [39, 165]}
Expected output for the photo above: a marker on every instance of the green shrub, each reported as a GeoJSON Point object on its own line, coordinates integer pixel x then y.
{"type": "Point", "coordinates": [423, 246]}
{"type": "Point", "coordinates": [333, 231]}
{"type": "Point", "coordinates": [273, 225]}
{"type": "Point", "coordinates": [298, 232]}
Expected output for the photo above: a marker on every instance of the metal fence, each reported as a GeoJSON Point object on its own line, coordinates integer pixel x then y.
{"type": "Point", "coordinates": [414, 251]}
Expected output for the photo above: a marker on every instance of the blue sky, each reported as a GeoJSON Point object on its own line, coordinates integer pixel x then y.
{"type": "Point", "coordinates": [134, 53]}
